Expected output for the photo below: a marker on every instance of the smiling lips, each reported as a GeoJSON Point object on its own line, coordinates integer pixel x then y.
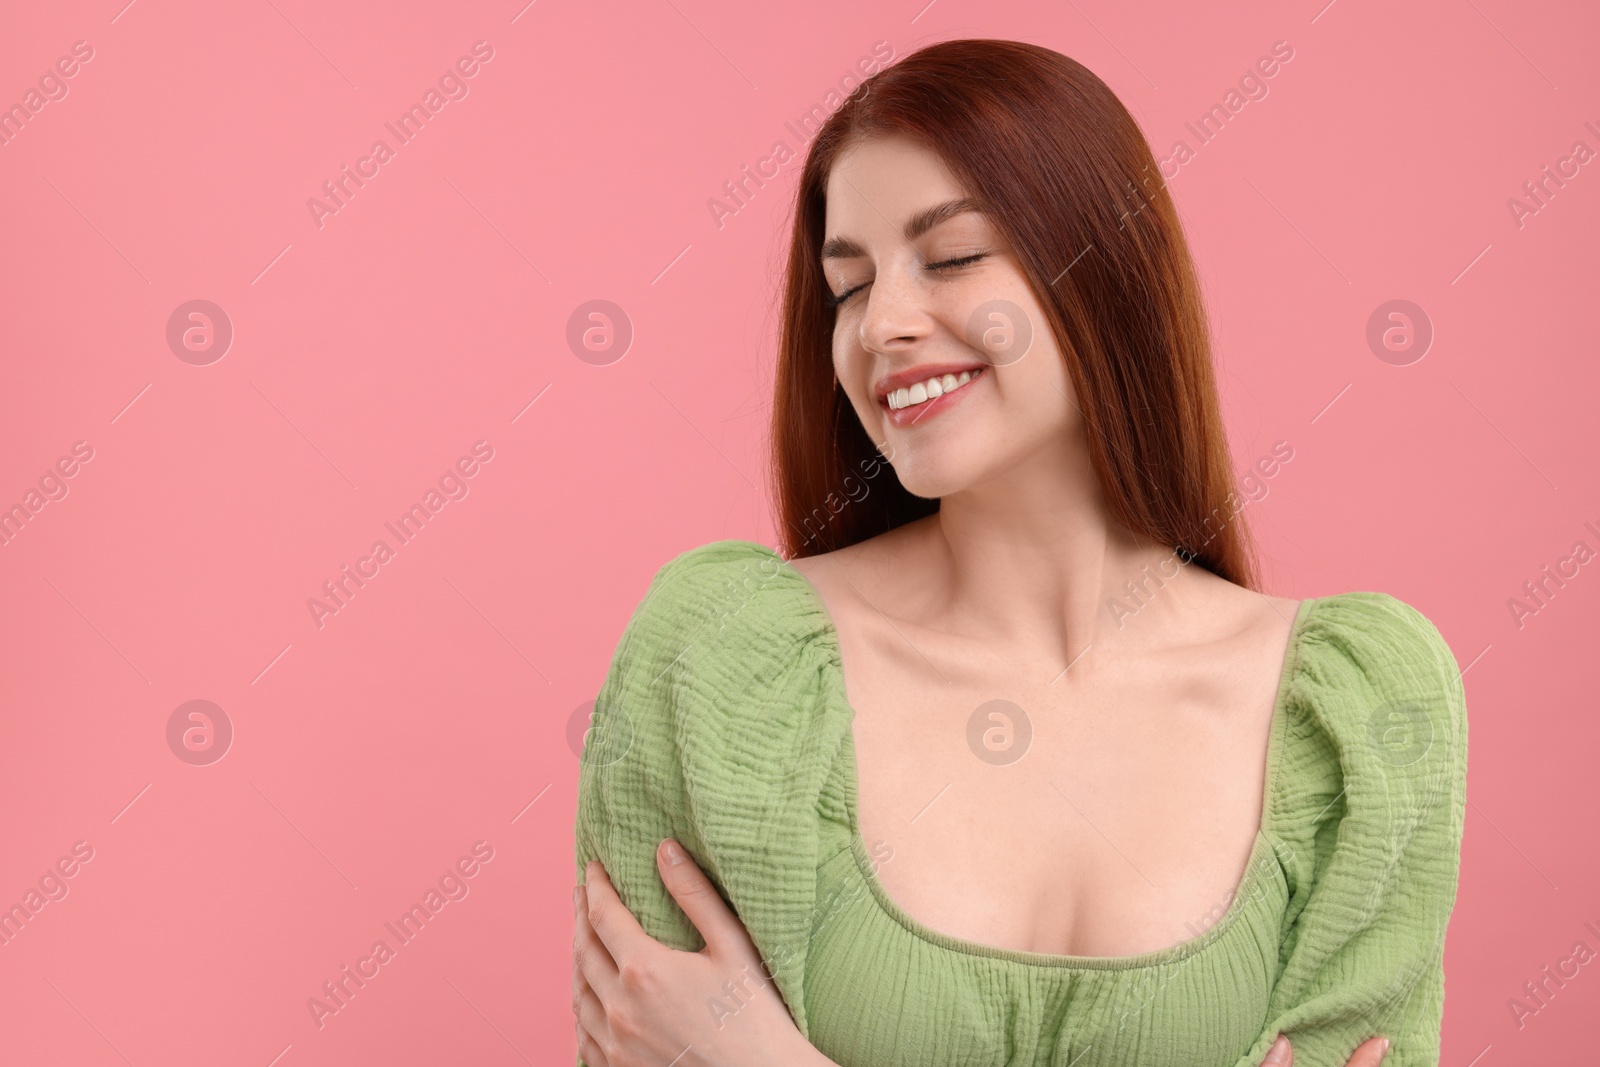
{"type": "Point", "coordinates": [913, 395]}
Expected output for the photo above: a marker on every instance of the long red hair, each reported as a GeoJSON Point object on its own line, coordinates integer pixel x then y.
{"type": "Point", "coordinates": [1064, 172]}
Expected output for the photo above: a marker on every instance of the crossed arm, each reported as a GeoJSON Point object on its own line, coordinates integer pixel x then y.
{"type": "Point", "coordinates": [640, 1003]}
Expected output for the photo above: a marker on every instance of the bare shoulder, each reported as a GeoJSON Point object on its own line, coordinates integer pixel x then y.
{"type": "Point", "coordinates": [1237, 640]}
{"type": "Point", "coordinates": [847, 567]}
{"type": "Point", "coordinates": [1234, 614]}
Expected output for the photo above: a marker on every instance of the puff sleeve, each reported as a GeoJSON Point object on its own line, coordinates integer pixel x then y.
{"type": "Point", "coordinates": [715, 726]}
{"type": "Point", "coordinates": [630, 784]}
{"type": "Point", "coordinates": [1374, 790]}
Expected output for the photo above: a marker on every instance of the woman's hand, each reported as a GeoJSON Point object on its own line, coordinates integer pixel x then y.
{"type": "Point", "coordinates": [642, 1004]}
{"type": "Point", "coordinates": [1369, 1053]}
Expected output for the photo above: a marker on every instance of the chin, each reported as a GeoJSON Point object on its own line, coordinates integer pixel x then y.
{"type": "Point", "coordinates": [930, 477]}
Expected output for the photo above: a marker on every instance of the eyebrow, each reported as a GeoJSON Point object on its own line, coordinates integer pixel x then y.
{"type": "Point", "coordinates": [919, 224]}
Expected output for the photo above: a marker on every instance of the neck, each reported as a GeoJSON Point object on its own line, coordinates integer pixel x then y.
{"type": "Point", "coordinates": [1034, 559]}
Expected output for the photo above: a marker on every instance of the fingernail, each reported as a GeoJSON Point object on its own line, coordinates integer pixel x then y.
{"type": "Point", "coordinates": [588, 870]}
{"type": "Point", "coordinates": [674, 853]}
{"type": "Point", "coordinates": [1279, 1052]}
{"type": "Point", "coordinates": [577, 895]}
{"type": "Point", "coordinates": [1383, 1049]}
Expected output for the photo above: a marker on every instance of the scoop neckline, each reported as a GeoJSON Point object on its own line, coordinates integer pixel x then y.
{"type": "Point", "coordinates": [1254, 872]}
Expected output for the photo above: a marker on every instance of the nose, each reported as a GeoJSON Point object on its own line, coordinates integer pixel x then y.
{"type": "Point", "coordinates": [897, 313]}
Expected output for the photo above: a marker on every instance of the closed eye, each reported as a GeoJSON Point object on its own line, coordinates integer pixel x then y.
{"type": "Point", "coordinates": [951, 264]}
{"type": "Point", "coordinates": [832, 301]}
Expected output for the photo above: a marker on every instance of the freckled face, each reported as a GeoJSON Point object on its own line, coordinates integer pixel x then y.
{"type": "Point", "coordinates": [950, 295]}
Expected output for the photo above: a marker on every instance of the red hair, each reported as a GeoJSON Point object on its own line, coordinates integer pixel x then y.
{"type": "Point", "coordinates": [1064, 173]}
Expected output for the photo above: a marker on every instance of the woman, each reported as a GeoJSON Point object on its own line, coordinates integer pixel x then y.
{"type": "Point", "coordinates": [1010, 761]}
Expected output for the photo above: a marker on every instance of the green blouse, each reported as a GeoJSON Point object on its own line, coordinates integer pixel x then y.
{"type": "Point", "coordinates": [723, 723]}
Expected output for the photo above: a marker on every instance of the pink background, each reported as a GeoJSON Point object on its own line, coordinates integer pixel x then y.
{"type": "Point", "coordinates": [370, 353]}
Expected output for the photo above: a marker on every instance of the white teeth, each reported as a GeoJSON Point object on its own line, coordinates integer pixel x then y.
{"type": "Point", "coordinates": [922, 392]}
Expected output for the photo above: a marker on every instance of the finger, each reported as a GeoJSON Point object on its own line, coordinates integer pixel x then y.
{"type": "Point", "coordinates": [591, 960]}
{"type": "Point", "coordinates": [611, 920]}
{"type": "Point", "coordinates": [578, 928]}
{"type": "Point", "coordinates": [1281, 1054]}
{"type": "Point", "coordinates": [589, 1050]}
{"type": "Point", "coordinates": [1369, 1053]}
{"type": "Point", "coordinates": [698, 898]}
{"type": "Point", "coordinates": [592, 1024]}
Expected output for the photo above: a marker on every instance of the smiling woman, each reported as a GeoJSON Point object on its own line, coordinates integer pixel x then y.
{"type": "Point", "coordinates": [984, 290]}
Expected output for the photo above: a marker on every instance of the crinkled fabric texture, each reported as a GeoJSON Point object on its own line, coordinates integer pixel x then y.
{"type": "Point", "coordinates": [723, 723]}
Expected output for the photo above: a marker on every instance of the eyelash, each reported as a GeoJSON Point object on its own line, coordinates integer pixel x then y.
{"type": "Point", "coordinates": [832, 301]}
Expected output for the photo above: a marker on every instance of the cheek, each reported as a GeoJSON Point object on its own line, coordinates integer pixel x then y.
{"type": "Point", "coordinates": [841, 345]}
{"type": "Point", "coordinates": [850, 366]}
{"type": "Point", "coordinates": [1047, 366]}
{"type": "Point", "coordinates": [1038, 390]}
